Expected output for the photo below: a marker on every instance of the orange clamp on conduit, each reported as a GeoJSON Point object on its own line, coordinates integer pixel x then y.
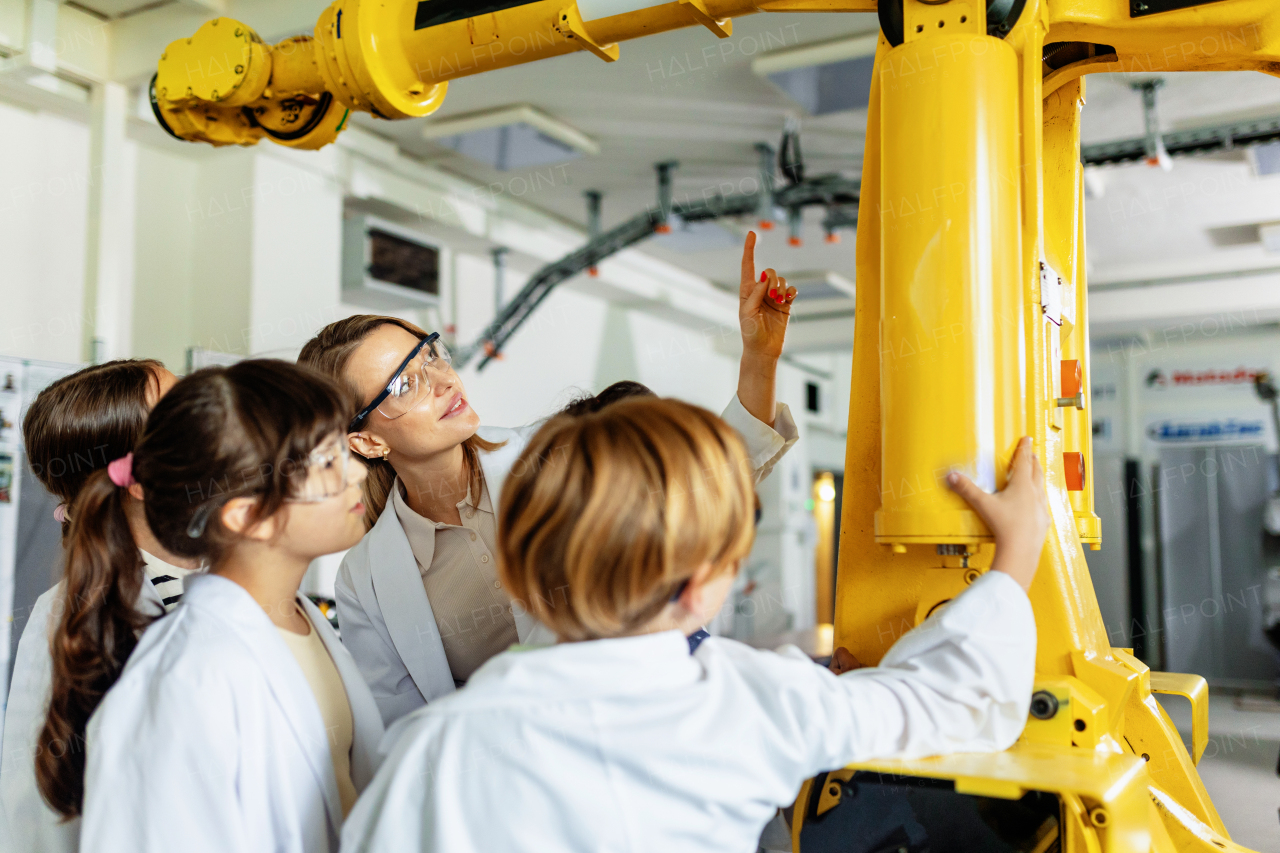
{"type": "Point", "coordinates": [1073, 463]}
{"type": "Point", "coordinates": [1072, 378]}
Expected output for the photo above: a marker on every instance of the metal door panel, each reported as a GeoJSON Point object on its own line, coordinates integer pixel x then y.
{"type": "Point", "coordinates": [1187, 531]}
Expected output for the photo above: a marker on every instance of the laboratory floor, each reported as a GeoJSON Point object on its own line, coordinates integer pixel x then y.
{"type": "Point", "coordinates": [1239, 764]}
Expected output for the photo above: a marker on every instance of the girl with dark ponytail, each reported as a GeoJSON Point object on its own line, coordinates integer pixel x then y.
{"type": "Point", "coordinates": [71, 431]}
{"type": "Point", "coordinates": [239, 722]}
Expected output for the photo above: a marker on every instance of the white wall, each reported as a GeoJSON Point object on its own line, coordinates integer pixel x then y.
{"type": "Point", "coordinates": [296, 249]}
{"type": "Point", "coordinates": [164, 249]}
{"type": "Point", "coordinates": [43, 205]}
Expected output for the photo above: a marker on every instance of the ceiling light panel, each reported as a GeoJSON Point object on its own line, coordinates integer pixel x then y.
{"type": "Point", "coordinates": [1266, 159]}
{"type": "Point", "coordinates": [823, 78]}
{"type": "Point", "coordinates": [824, 89]}
{"type": "Point", "coordinates": [821, 284]}
{"type": "Point", "coordinates": [517, 137]}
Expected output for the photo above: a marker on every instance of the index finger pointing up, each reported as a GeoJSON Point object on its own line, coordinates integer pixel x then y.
{"type": "Point", "coordinates": [748, 266]}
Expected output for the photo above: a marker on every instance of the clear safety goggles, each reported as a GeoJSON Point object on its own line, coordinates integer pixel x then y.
{"type": "Point", "coordinates": [328, 469]}
{"type": "Point", "coordinates": [326, 475]}
{"type": "Point", "coordinates": [411, 383]}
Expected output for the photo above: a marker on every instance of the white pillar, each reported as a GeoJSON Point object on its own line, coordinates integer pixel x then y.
{"type": "Point", "coordinates": [108, 284]}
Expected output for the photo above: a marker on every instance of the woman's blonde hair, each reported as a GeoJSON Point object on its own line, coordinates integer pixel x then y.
{"type": "Point", "coordinates": [604, 516]}
{"type": "Point", "coordinates": [329, 352]}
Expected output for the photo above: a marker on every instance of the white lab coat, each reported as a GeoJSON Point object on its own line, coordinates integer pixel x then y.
{"type": "Point", "coordinates": [33, 827]}
{"type": "Point", "coordinates": [212, 739]}
{"type": "Point", "coordinates": [383, 611]}
{"type": "Point", "coordinates": [635, 745]}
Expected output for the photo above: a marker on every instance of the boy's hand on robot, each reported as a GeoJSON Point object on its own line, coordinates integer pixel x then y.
{"type": "Point", "coordinates": [764, 304]}
{"type": "Point", "coordinates": [1018, 515]}
{"type": "Point", "coordinates": [842, 661]}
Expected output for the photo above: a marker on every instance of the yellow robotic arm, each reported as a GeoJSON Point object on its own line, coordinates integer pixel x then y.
{"type": "Point", "coordinates": [394, 59]}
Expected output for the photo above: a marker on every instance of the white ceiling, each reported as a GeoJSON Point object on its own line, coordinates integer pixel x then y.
{"type": "Point", "coordinates": [1151, 224]}
{"type": "Point", "coordinates": [111, 9]}
{"type": "Point", "coordinates": [666, 99]}
{"type": "Point", "coordinates": [648, 107]}
{"type": "Point", "coordinates": [688, 96]}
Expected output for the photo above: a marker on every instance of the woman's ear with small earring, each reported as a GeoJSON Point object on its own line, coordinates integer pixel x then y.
{"type": "Point", "coordinates": [365, 445]}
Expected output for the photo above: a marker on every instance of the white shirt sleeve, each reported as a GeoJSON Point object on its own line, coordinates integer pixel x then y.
{"type": "Point", "coordinates": [960, 682]}
{"type": "Point", "coordinates": [765, 444]}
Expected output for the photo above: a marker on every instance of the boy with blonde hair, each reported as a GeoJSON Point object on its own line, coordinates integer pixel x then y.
{"type": "Point", "coordinates": [622, 531]}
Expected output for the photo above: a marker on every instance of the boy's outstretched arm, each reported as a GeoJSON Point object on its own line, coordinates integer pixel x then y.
{"type": "Point", "coordinates": [962, 681]}
{"type": "Point", "coordinates": [1017, 516]}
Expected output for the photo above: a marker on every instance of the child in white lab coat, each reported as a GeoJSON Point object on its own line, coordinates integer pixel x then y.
{"type": "Point", "coordinates": [621, 531]}
{"type": "Point", "coordinates": [239, 723]}
{"type": "Point", "coordinates": [73, 428]}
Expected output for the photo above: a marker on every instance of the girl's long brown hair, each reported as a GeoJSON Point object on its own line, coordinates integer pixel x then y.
{"type": "Point", "coordinates": [81, 422]}
{"type": "Point", "coordinates": [329, 352]}
{"type": "Point", "coordinates": [221, 433]}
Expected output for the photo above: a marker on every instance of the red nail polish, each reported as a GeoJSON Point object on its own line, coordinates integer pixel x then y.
{"type": "Point", "coordinates": [773, 294]}
{"type": "Point", "coordinates": [764, 276]}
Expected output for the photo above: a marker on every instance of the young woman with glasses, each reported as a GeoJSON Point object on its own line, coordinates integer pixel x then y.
{"type": "Point", "coordinates": [420, 604]}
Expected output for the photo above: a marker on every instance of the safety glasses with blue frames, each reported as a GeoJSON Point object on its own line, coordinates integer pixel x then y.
{"type": "Point", "coordinates": [410, 384]}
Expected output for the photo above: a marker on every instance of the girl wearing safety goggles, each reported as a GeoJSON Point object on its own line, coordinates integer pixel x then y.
{"type": "Point", "coordinates": [240, 722]}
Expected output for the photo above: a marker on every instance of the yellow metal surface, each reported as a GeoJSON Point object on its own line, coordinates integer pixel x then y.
{"type": "Point", "coordinates": [1105, 794]}
{"type": "Point", "coordinates": [1064, 253]}
{"type": "Point", "coordinates": [973, 212]}
{"type": "Point", "coordinates": [1082, 719]}
{"type": "Point", "coordinates": [1195, 690]}
{"type": "Point", "coordinates": [720, 27]}
{"type": "Point", "coordinates": [570, 25]}
{"type": "Point", "coordinates": [949, 280]}
{"type": "Point", "coordinates": [881, 594]}
{"type": "Point", "coordinates": [225, 87]}
{"type": "Point", "coordinates": [224, 62]}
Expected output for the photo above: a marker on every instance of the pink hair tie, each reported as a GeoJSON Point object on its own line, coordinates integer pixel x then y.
{"type": "Point", "coordinates": [121, 471]}
{"type": "Point", "coordinates": [60, 513]}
